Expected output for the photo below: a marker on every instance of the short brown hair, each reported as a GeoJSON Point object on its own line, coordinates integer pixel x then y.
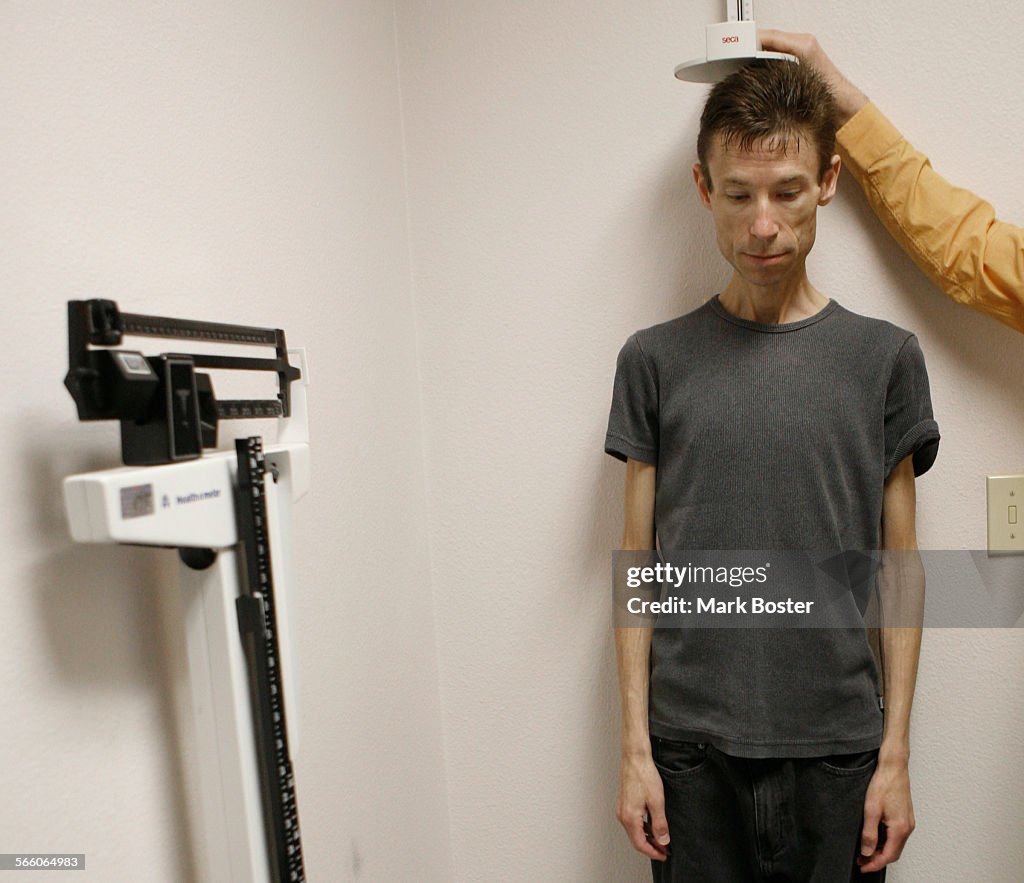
{"type": "Point", "coordinates": [771, 102]}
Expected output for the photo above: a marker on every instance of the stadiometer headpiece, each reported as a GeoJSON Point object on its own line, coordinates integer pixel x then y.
{"type": "Point", "coordinates": [731, 45]}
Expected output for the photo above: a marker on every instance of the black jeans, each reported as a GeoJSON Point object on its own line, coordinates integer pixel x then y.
{"type": "Point", "coordinates": [779, 820]}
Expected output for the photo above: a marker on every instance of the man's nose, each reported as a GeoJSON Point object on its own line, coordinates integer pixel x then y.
{"type": "Point", "coordinates": [763, 225]}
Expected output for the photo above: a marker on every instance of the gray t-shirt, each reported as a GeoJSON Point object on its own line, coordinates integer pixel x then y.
{"type": "Point", "coordinates": [770, 437]}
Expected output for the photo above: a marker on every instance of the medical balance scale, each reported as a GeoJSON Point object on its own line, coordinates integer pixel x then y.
{"type": "Point", "coordinates": [730, 45]}
{"type": "Point", "coordinates": [232, 529]}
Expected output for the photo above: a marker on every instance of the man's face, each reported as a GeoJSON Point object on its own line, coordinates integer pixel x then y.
{"type": "Point", "coordinates": [765, 203]}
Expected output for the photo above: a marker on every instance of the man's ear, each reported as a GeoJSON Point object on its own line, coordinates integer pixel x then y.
{"type": "Point", "coordinates": [830, 180]}
{"type": "Point", "coordinates": [703, 190]}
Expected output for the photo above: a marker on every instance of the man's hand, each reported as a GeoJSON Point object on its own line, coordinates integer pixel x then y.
{"type": "Point", "coordinates": [642, 806]}
{"type": "Point", "coordinates": [849, 99]}
{"type": "Point", "coordinates": [887, 802]}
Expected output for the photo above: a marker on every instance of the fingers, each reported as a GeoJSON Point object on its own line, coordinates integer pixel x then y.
{"type": "Point", "coordinates": [645, 823]}
{"type": "Point", "coordinates": [638, 829]}
{"type": "Point", "coordinates": [658, 824]}
{"type": "Point", "coordinates": [849, 99]}
{"type": "Point", "coordinates": [803, 46]}
{"type": "Point", "coordinates": [890, 847]}
{"type": "Point", "coordinates": [869, 831]}
{"type": "Point", "coordinates": [642, 807]}
{"type": "Point", "coordinates": [800, 45]}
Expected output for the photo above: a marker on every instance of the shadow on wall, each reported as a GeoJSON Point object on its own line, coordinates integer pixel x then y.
{"type": "Point", "coordinates": [680, 236]}
{"type": "Point", "coordinates": [109, 617]}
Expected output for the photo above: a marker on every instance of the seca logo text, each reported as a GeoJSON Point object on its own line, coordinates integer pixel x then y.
{"type": "Point", "coordinates": [733, 39]}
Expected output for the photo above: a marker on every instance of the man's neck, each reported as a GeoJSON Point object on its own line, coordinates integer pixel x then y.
{"type": "Point", "coordinates": [772, 305]}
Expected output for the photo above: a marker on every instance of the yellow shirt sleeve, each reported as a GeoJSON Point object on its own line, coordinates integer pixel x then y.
{"type": "Point", "coordinates": [951, 234]}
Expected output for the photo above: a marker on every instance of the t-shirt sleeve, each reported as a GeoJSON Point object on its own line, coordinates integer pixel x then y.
{"type": "Point", "coordinates": [910, 428]}
{"type": "Point", "coordinates": [633, 421]}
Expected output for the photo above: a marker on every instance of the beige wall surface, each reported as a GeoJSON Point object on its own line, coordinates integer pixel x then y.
{"type": "Point", "coordinates": [230, 162]}
{"type": "Point", "coordinates": [461, 210]}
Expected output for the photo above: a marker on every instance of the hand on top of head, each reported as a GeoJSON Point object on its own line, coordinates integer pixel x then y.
{"type": "Point", "coordinates": [849, 99]}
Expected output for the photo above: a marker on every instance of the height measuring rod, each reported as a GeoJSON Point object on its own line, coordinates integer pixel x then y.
{"type": "Point", "coordinates": [729, 45]}
{"type": "Point", "coordinates": [228, 513]}
{"type": "Point", "coordinates": [740, 10]}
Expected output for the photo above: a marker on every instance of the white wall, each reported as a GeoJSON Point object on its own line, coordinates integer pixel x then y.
{"type": "Point", "coordinates": [553, 214]}
{"type": "Point", "coordinates": [233, 162]}
{"type": "Point", "coordinates": [526, 166]}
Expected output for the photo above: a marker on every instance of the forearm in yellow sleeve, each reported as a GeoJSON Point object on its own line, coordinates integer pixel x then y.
{"type": "Point", "coordinates": [951, 234]}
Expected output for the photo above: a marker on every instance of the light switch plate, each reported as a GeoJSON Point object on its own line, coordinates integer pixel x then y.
{"type": "Point", "coordinates": [1006, 513]}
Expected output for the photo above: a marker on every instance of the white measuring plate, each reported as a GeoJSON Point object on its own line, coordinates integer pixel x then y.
{"type": "Point", "coordinates": [700, 70]}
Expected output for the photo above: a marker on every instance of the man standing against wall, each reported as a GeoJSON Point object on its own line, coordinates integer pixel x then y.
{"type": "Point", "coordinates": [770, 418]}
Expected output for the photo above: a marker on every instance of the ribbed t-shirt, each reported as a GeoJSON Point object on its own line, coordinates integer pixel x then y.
{"type": "Point", "coordinates": [770, 437]}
